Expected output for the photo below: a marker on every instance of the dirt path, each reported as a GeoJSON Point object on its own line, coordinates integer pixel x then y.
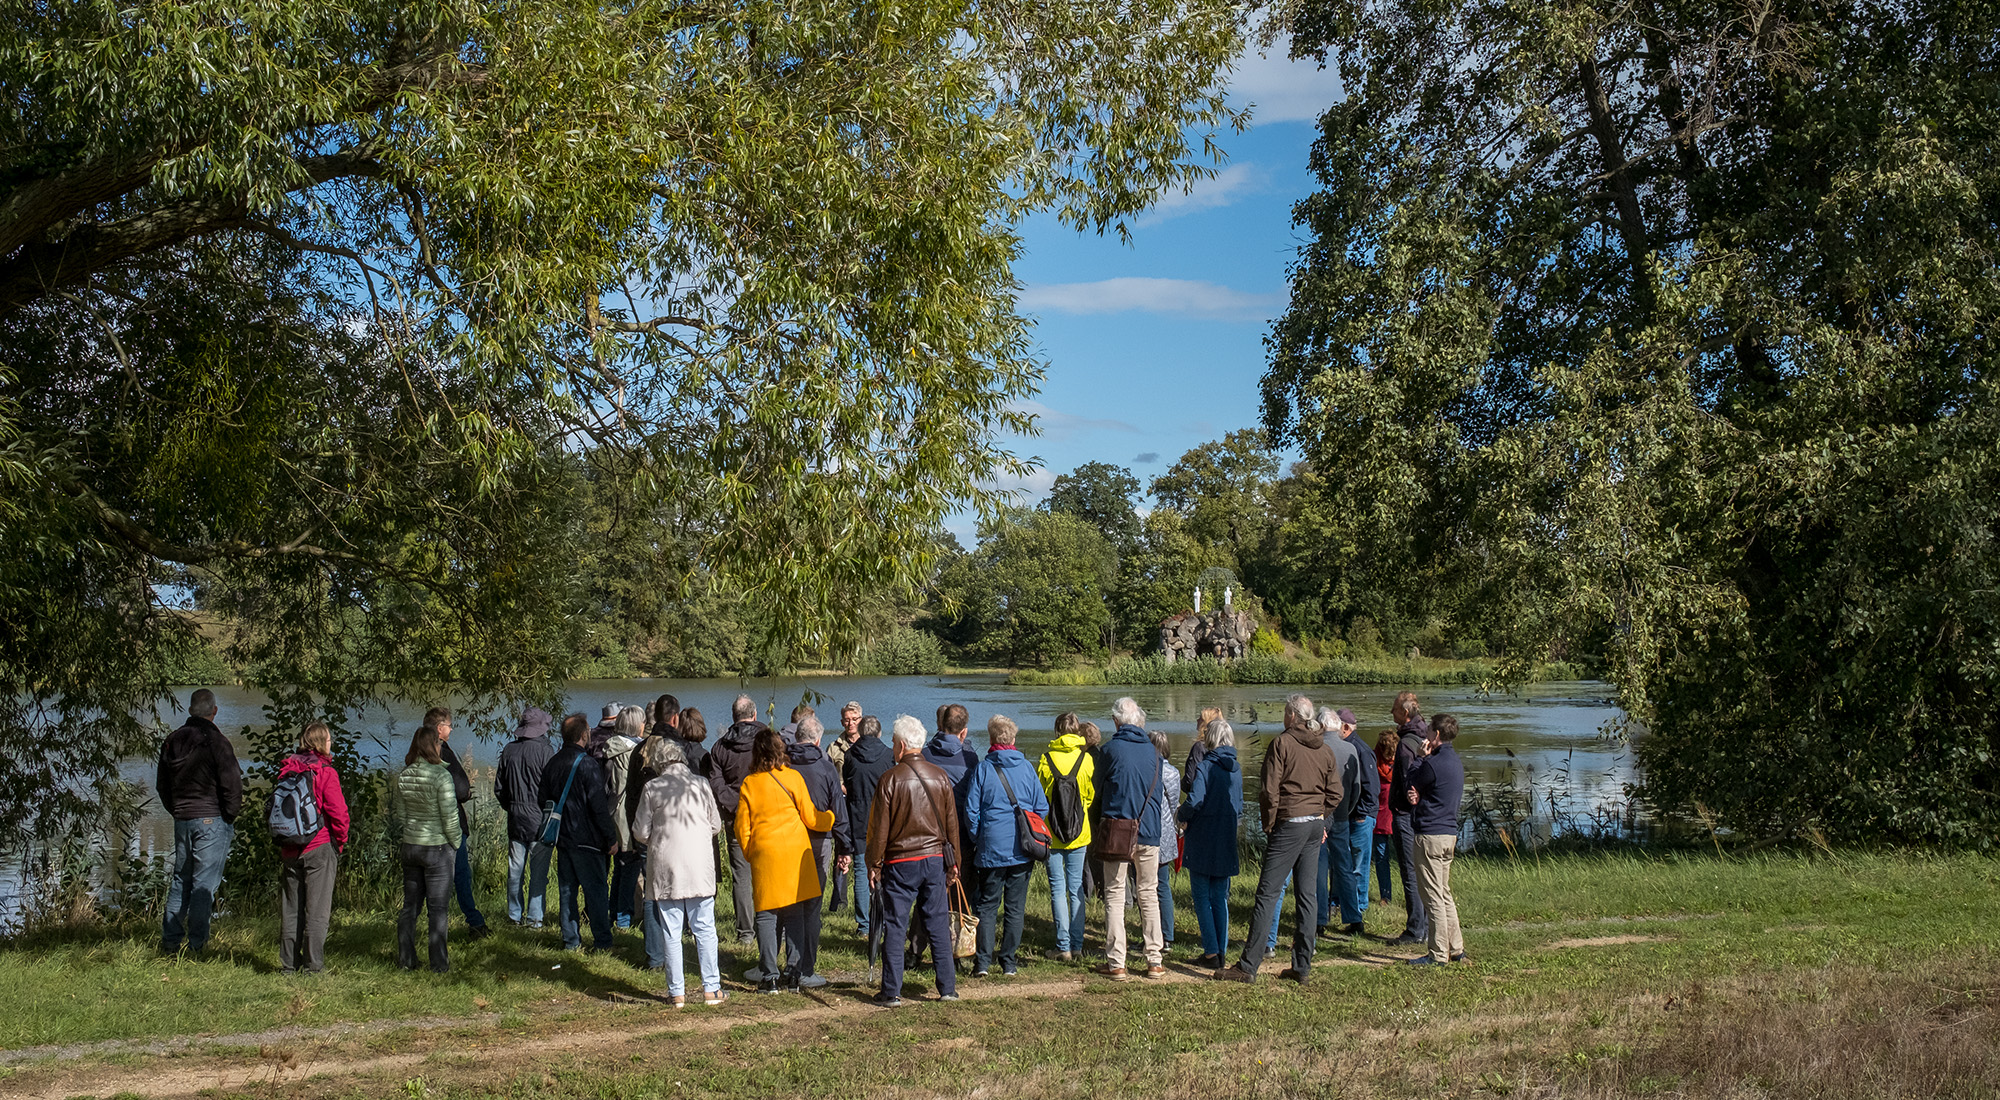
{"type": "Point", "coordinates": [294, 1056]}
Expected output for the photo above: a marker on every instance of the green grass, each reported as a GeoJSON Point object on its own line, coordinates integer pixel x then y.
{"type": "Point", "coordinates": [1720, 915]}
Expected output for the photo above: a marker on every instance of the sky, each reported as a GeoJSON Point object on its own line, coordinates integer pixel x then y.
{"type": "Point", "coordinates": [1157, 346]}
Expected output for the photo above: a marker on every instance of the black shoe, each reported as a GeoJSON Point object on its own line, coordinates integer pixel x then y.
{"type": "Point", "coordinates": [1354, 930]}
{"type": "Point", "coordinates": [478, 932]}
{"type": "Point", "coordinates": [1460, 958]}
{"type": "Point", "coordinates": [1406, 937]}
{"type": "Point", "coordinates": [770, 985]}
{"type": "Point", "coordinates": [1291, 975]}
{"type": "Point", "coordinates": [979, 973]}
{"type": "Point", "coordinates": [1206, 962]}
{"type": "Point", "coordinates": [885, 999]}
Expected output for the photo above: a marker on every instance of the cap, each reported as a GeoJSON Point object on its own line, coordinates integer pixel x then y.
{"type": "Point", "coordinates": [1346, 717]}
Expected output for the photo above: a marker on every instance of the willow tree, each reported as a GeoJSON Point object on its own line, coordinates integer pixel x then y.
{"type": "Point", "coordinates": [1674, 322]}
{"type": "Point", "coordinates": [324, 310]}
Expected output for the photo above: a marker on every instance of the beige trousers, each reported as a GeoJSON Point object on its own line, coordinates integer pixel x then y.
{"type": "Point", "coordinates": [1146, 864]}
{"type": "Point", "coordinates": [1434, 856]}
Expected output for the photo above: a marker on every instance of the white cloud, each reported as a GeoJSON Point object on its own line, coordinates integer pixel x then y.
{"type": "Point", "coordinates": [1058, 425]}
{"type": "Point", "coordinates": [1281, 89]}
{"type": "Point", "coordinates": [1186, 297]}
{"type": "Point", "coordinates": [1221, 189]}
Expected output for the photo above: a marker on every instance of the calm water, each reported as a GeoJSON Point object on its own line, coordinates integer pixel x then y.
{"type": "Point", "coordinates": [1546, 743]}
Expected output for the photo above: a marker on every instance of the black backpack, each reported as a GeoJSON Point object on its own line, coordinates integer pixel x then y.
{"type": "Point", "coordinates": [1066, 817]}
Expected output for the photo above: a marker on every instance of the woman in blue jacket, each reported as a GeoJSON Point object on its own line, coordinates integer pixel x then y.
{"type": "Point", "coordinates": [994, 789]}
{"type": "Point", "coordinates": [1215, 803]}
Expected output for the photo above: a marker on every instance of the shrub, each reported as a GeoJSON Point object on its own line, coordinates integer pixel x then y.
{"type": "Point", "coordinates": [904, 651]}
{"type": "Point", "coordinates": [1267, 643]}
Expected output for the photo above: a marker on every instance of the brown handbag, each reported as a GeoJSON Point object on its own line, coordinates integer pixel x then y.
{"type": "Point", "coordinates": [1118, 837]}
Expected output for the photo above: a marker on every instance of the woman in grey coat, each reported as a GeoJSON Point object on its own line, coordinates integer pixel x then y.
{"type": "Point", "coordinates": [677, 820]}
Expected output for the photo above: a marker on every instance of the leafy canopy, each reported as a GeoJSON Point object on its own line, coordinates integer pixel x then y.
{"type": "Point", "coordinates": [1673, 323]}
{"type": "Point", "coordinates": [348, 321]}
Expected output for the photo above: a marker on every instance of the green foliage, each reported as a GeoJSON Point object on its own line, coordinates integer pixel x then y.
{"type": "Point", "coordinates": [1673, 332]}
{"type": "Point", "coordinates": [1102, 496]}
{"type": "Point", "coordinates": [904, 651]}
{"type": "Point", "coordinates": [366, 323]}
{"type": "Point", "coordinates": [1266, 643]}
{"type": "Point", "coordinates": [1032, 592]}
{"type": "Point", "coordinates": [1266, 669]}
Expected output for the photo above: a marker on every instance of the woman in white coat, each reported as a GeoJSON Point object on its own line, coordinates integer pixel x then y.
{"type": "Point", "coordinates": [677, 821]}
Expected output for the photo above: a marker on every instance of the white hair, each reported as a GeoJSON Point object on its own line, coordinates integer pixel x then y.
{"type": "Point", "coordinates": [852, 706]}
{"type": "Point", "coordinates": [1299, 711]}
{"type": "Point", "coordinates": [1220, 735]}
{"type": "Point", "coordinates": [909, 733]}
{"type": "Point", "coordinates": [1328, 720]}
{"type": "Point", "coordinates": [632, 722]}
{"type": "Point", "coordinates": [810, 730]}
{"type": "Point", "coordinates": [1126, 712]}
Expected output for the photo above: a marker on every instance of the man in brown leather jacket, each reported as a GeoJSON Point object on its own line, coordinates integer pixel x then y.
{"type": "Point", "coordinates": [913, 854]}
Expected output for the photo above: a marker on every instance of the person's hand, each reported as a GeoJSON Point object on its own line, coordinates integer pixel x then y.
{"type": "Point", "coordinates": [951, 873]}
{"type": "Point", "coordinates": [874, 879]}
{"type": "Point", "coordinates": [1412, 796]}
{"type": "Point", "coordinates": [614, 848]}
{"type": "Point", "coordinates": [845, 863]}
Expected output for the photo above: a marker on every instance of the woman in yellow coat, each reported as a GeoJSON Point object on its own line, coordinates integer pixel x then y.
{"type": "Point", "coordinates": [774, 814]}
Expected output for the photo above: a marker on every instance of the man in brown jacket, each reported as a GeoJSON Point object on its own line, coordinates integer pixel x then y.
{"type": "Point", "coordinates": [913, 856]}
{"type": "Point", "coordinates": [1301, 787]}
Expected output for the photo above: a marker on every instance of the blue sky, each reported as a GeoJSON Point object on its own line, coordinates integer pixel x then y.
{"type": "Point", "coordinates": [1157, 346]}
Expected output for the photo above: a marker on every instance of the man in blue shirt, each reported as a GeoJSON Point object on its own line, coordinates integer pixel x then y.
{"type": "Point", "coordinates": [1128, 787]}
{"type": "Point", "coordinates": [1437, 787]}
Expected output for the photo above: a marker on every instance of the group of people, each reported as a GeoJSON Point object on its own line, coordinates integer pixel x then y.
{"type": "Point", "coordinates": [639, 811]}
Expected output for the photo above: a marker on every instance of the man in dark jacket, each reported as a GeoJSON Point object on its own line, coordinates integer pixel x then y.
{"type": "Point", "coordinates": [948, 751]}
{"type": "Point", "coordinates": [439, 719]}
{"type": "Point", "coordinates": [1353, 894]}
{"type": "Point", "coordinates": [517, 785]}
{"type": "Point", "coordinates": [604, 731]}
{"type": "Point", "coordinates": [823, 784]}
{"type": "Point", "coordinates": [728, 765]}
{"type": "Point", "coordinates": [201, 786]}
{"type": "Point", "coordinates": [862, 769]}
{"type": "Point", "coordinates": [588, 837]}
{"type": "Point", "coordinates": [1436, 783]}
{"type": "Point", "coordinates": [1301, 787]}
{"type": "Point", "coordinates": [912, 858]}
{"type": "Point", "coordinates": [1413, 731]}
{"type": "Point", "coordinates": [1129, 776]}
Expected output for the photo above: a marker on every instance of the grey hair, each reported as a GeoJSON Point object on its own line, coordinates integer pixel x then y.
{"type": "Point", "coordinates": [1299, 711]}
{"type": "Point", "coordinates": [1220, 736]}
{"type": "Point", "coordinates": [1328, 720]}
{"type": "Point", "coordinates": [871, 726]}
{"type": "Point", "coordinates": [852, 706]}
{"type": "Point", "coordinates": [743, 709]}
{"type": "Point", "coordinates": [810, 730]}
{"type": "Point", "coordinates": [1126, 712]}
{"type": "Point", "coordinates": [202, 703]}
{"type": "Point", "coordinates": [632, 722]}
{"type": "Point", "coordinates": [909, 733]}
{"type": "Point", "coordinates": [1001, 731]}
{"type": "Point", "coordinates": [662, 753]}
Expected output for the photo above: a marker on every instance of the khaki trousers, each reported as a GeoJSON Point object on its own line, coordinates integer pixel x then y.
{"type": "Point", "coordinates": [1146, 865]}
{"type": "Point", "coordinates": [1434, 856]}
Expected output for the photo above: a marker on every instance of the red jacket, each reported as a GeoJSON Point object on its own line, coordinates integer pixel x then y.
{"type": "Point", "coordinates": [1384, 824]}
{"type": "Point", "coordinates": [326, 792]}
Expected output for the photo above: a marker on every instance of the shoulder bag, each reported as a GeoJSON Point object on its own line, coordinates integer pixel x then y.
{"type": "Point", "coordinates": [1031, 832]}
{"type": "Point", "coordinates": [1118, 837]}
{"type": "Point", "coordinates": [552, 812]}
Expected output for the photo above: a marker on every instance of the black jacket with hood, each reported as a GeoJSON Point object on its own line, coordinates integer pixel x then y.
{"type": "Point", "coordinates": [729, 764]}
{"type": "Point", "coordinates": [198, 774]}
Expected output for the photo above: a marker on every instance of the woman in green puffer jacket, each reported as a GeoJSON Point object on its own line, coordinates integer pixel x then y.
{"type": "Point", "coordinates": [430, 842]}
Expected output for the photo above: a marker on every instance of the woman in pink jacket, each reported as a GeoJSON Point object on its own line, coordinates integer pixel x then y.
{"type": "Point", "coordinates": [305, 872]}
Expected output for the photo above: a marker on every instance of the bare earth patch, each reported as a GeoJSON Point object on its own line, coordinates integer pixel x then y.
{"type": "Point", "coordinates": [1602, 941]}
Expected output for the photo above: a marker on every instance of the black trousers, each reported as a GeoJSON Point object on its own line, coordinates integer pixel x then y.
{"type": "Point", "coordinates": [1293, 851]}
{"type": "Point", "coordinates": [787, 923]}
{"type": "Point", "coordinates": [427, 879]}
{"type": "Point", "coordinates": [998, 885]}
{"type": "Point", "coordinates": [1407, 861]}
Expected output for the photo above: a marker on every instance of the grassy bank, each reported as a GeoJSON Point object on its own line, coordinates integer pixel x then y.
{"type": "Point", "coordinates": [1687, 974]}
{"type": "Point", "coordinates": [1258, 669]}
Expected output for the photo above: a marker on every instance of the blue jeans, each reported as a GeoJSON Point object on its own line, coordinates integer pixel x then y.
{"type": "Point", "coordinates": [1332, 867]}
{"type": "Point", "coordinates": [1066, 896]}
{"type": "Point", "coordinates": [915, 885]}
{"type": "Point", "coordinates": [1354, 882]}
{"type": "Point", "coordinates": [582, 870]}
{"type": "Point", "coordinates": [200, 846]}
{"type": "Point", "coordinates": [1166, 894]}
{"type": "Point", "coordinates": [626, 867]}
{"type": "Point", "coordinates": [1385, 864]}
{"type": "Point", "coordinates": [529, 861]}
{"type": "Point", "coordinates": [462, 879]}
{"type": "Point", "coordinates": [1211, 911]}
{"type": "Point", "coordinates": [655, 935]}
{"type": "Point", "coordinates": [863, 896]}
{"type": "Point", "coordinates": [696, 915]}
